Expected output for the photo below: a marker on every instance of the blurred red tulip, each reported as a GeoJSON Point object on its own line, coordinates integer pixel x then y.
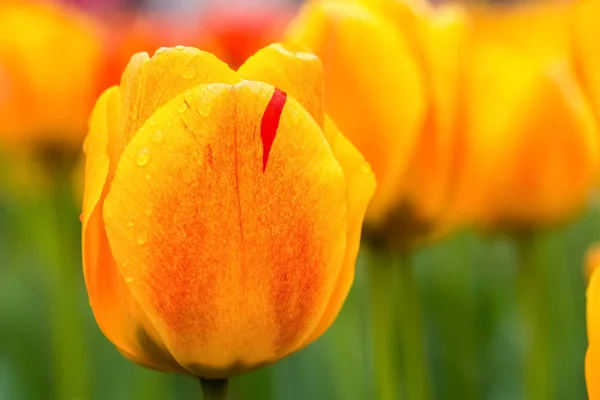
{"type": "Point", "coordinates": [233, 35]}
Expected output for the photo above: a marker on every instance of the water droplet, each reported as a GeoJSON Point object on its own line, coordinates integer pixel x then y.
{"type": "Point", "coordinates": [125, 264]}
{"type": "Point", "coordinates": [143, 157]}
{"type": "Point", "coordinates": [182, 109]}
{"type": "Point", "coordinates": [189, 73]}
{"type": "Point", "coordinates": [142, 238]}
{"type": "Point", "coordinates": [179, 47]}
{"type": "Point", "coordinates": [130, 224]}
{"type": "Point", "coordinates": [148, 176]}
{"type": "Point", "coordinates": [129, 279]}
{"type": "Point", "coordinates": [160, 50]}
{"type": "Point", "coordinates": [109, 213]}
{"type": "Point", "coordinates": [158, 136]}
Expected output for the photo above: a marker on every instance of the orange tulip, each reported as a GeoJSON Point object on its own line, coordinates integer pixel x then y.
{"type": "Point", "coordinates": [222, 210]}
{"type": "Point", "coordinates": [391, 73]}
{"type": "Point", "coordinates": [529, 146]}
{"type": "Point", "coordinates": [49, 62]}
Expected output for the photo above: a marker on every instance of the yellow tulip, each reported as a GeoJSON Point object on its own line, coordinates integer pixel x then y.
{"type": "Point", "coordinates": [529, 146]}
{"type": "Point", "coordinates": [50, 58]}
{"type": "Point", "coordinates": [592, 358]}
{"type": "Point", "coordinates": [222, 210]}
{"type": "Point", "coordinates": [391, 75]}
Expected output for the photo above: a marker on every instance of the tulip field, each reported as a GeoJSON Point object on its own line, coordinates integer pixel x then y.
{"type": "Point", "coordinates": [336, 199]}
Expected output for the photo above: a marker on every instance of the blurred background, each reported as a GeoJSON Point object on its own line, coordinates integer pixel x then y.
{"type": "Point", "coordinates": [50, 344]}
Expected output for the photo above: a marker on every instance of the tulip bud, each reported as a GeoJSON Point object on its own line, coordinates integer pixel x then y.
{"type": "Point", "coordinates": [222, 210]}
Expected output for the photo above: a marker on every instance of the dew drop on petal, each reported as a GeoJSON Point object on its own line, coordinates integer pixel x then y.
{"type": "Point", "coordinates": [129, 279]}
{"type": "Point", "coordinates": [158, 136]}
{"type": "Point", "coordinates": [182, 109]}
{"type": "Point", "coordinates": [142, 238]}
{"type": "Point", "coordinates": [189, 73]}
{"type": "Point", "coordinates": [143, 157]}
{"type": "Point", "coordinates": [179, 47]}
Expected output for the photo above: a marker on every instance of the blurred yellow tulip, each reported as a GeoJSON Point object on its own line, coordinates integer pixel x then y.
{"type": "Point", "coordinates": [221, 215]}
{"type": "Point", "coordinates": [530, 143]}
{"type": "Point", "coordinates": [592, 358]}
{"type": "Point", "coordinates": [50, 57]}
{"type": "Point", "coordinates": [391, 74]}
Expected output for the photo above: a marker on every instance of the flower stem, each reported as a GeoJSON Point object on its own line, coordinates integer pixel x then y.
{"type": "Point", "coordinates": [381, 302]}
{"type": "Point", "coordinates": [535, 321]}
{"type": "Point", "coordinates": [416, 370]}
{"type": "Point", "coordinates": [57, 245]}
{"type": "Point", "coordinates": [214, 389]}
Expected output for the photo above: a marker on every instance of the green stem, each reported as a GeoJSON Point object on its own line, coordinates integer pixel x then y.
{"type": "Point", "coordinates": [532, 305]}
{"type": "Point", "coordinates": [412, 333]}
{"type": "Point", "coordinates": [71, 378]}
{"type": "Point", "coordinates": [214, 389]}
{"type": "Point", "coordinates": [381, 301]}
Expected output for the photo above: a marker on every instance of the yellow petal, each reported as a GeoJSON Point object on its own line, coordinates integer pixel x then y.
{"type": "Point", "coordinates": [360, 182]}
{"type": "Point", "coordinates": [535, 139]}
{"type": "Point", "coordinates": [233, 255]}
{"type": "Point", "coordinates": [117, 314]}
{"type": "Point", "coordinates": [442, 35]}
{"type": "Point", "coordinates": [293, 69]}
{"type": "Point", "coordinates": [373, 86]}
{"type": "Point", "coordinates": [149, 83]}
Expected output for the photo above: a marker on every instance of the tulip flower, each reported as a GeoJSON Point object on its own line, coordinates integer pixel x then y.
{"type": "Point", "coordinates": [222, 210]}
{"type": "Point", "coordinates": [398, 63]}
{"type": "Point", "coordinates": [592, 358]}
{"type": "Point", "coordinates": [50, 57]}
{"type": "Point", "coordinates": [529, 152]}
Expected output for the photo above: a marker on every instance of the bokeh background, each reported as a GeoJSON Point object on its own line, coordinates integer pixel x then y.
{"type": "Point", "coordinates": [51, 347]}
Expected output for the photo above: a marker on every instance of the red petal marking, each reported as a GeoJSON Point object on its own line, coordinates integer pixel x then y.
{"type": "Point", "coordinates": [270, 123]}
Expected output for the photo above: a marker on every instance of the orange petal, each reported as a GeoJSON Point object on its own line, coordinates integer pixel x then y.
{"type": "Point", "coordinates": [373, 86]}
{"type": "Point", "coordinates": [117, 314]}
{"type": "Point", "coordinates": [149, 83]}
{"type": "Point", "coordinates": [361, 185]}
{"type": "Point", "coordinates": [592, 372]}
{"type": "Point", "coordinates": [295, 70]}
{"type": "Point", "coordinates": [234, 255]}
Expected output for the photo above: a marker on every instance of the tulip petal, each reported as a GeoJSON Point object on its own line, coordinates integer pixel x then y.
{"type": "Point", "coordinates": [117, 314]}
{"type": "Point", "coordinates": [361, 185]}
{"type": "Point", "coordinates": [296, 71]}
{"type": "Point", "coordinates": [233, 262]}
{"type": "Point", "coordinates": [592, 358]}
{"type": "Point", "coordinates": [379, 110]}
{"type": "Point", "coordinates": [149, 83]}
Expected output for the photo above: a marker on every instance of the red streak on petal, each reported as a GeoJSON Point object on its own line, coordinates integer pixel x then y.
{"type": "Point", "coordinates": [270, 123]}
